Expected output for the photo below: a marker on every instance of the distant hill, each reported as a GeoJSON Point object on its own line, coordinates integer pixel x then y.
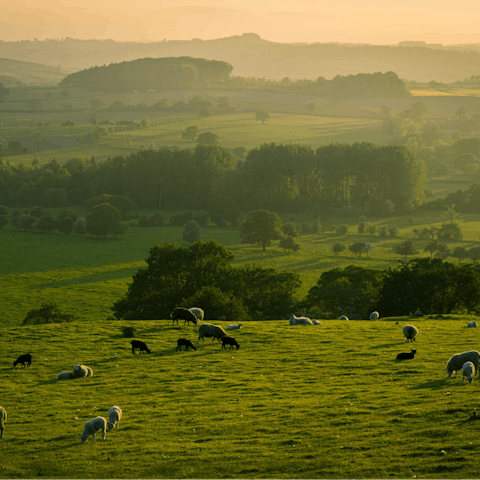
{"type": "Point", "coordinates": [253, 56]}
{"type": "Point", "coordinates": [29, 73]}
{"type": "Point", "coordinates": [172, 73]}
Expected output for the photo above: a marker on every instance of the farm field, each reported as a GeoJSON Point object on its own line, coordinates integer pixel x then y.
{"type": "Point", "coordinates": [86, 276]}
{"type": "Point", "coordinates": [324, 401]}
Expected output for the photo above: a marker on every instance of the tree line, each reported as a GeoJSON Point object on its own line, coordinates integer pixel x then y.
{"type": "Point", "coordinates": [283, 178]}
{"type": "Point", "coordinates": [203, 275]}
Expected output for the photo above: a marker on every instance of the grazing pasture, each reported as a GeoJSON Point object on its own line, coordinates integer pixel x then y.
{"type": "Point", "coordinates": [324, 401]}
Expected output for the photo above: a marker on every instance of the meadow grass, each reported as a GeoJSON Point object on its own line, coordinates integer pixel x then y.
{"type": "Point", "coordinates": [324, 401]}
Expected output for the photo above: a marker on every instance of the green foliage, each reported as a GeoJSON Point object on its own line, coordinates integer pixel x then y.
{"type": "Point", "coordinates": [155, 220]}
{"type": "Point", "coordinates": [405, 248]}
{"type": "Point", "coordinates": [207, 138]}
{"type": "Point", "coordinates": [288, 243]}
{"type": "Point", "coordinates": [97, 103]}
{"type": "Point", "coordinates": [450, 231]}
{"type": "Point", "coordinates": [123, 204]}
{"type": "Point", "coordinates": [3, 221]}
{"type": "Point", "coordinates": [66, 226]}
{"type": "Point", "coordinates": [263, 116]}
{"type": "Point", "coordinates": [260, 226]}
{"type": "Point", "coordinates": [49, 312]}
{"type": "Point", "coordinates": [190, 133]}
{"type": "Point", "coordinates": [338, 248]}
{"type": "Point", "coordinates": [290, 229]}
{"type": "Point", "coordinates": [128, 332]}
{"type": "Point", "coordinates": [352, 291]}
{"type": "Point", "coordinates": [341, 229]}
{"type": "Point", "coordinates": [80, 226]}
{"type": "Point", "coordinates": [46, 223]}
{"type": "Point", "coordinates": [429, 285]}
{"type": "Point", "coordinates": [192, 231]}
{"type": "Point", "coordinates": [103, 220]}
{"type": "Point", "coordinates": [357, 248]}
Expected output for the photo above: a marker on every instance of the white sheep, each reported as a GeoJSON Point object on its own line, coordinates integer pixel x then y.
{"type": "Point", "coordinates": [198, 312]}
{"type": "Point", "coordinates": [80, 371]}
{"type": "Point", "coordinates": [3, 419]}
{"type": "Point", "coordinates": [235, 327]}
{"type": "Point", "coordinates": [90, 372]}
{"type": "Point", "coordinates": [472, 324]}
{"type": "Point", "coordinates": [317, 322]}
{"type": "Point", "coordinates": [468, 370]}
{"type": "Point", "coordinates": [64, 375]}
{"type": "Point", "coordinates": [343, 317]}
{"type": "Point", "coordinates": [209, 330]}
{"type": "Point", "coordinates": [410, 332]}
{"type": "Point", "coordinates": [298, 320]}
{"type": "Point", "coordinates": [114, 416]}
{"type": "Point", "coordinates": [374, 316]}
{"type": "Point", "coordinates": [456, 361]}
{"type": "Point", "coordinates": [92, 427]}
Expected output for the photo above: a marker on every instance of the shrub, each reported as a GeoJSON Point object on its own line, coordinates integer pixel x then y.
{"type": "Point", "coordinates": [47, 313]}
{"type": "Point", "coordinates": [128, 332]}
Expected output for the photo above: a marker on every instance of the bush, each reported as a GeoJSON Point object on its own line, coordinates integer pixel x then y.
{"type": "Point", "coordinates": [128, 332]}
{"type": "Point", "coordinates": [47, 313]}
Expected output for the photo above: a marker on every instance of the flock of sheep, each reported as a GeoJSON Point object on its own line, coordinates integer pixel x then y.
{"type": "Point", "coordinates": [467, 362]}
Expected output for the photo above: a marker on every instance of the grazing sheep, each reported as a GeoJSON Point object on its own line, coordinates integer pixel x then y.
{"type": "Point", "coordinates": [235, 327]}
{"type": "Point", "coordinates": [184, 342]}
{"type": "Point", "coordinates": [456, 361]}
{"type": "Point", "coordinates": [64, 375]}
{"type": "Point", "coordinates": [23, 359]}
{"type": "Point", "coordinates": [229, 341]}
{"type": "Point", "coordinates": [198, 312]}
{"type": "Point", "coordinates": [209, 330]}
{"type": "Point", "coordinates": [293, 320]}
{"type": "Point", "coordinates": [141, 345]}
{"type": "Point", "coordinates": [80, 371]}
{"type": "Point", "coordinates": [410, 332]}
{"type": "Point", "coordinates": [92, 427]}
{"type": "Point", "coordinates": [343, 317]}
{"type": "Point", "coordinates": [114, 416]}
{"type": "Point", "coordinates": [472, 324]}
{"type": "Point", "coordinates": [468, 370]}
{"type": "Point", "coordinates": [374, 316]}
{"type": "Point", "coordinates": [185, 314]}
{"type": "Point", "coordinates": [317, 322]}
{"type": "Point", "coordinates": [3, 419]}
{"type": "Point", "coordinates": [406, 356]}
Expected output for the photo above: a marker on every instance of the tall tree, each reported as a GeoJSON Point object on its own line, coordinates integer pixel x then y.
{"type": "Point", "coordinates": [103, 220]}
{"type": "Point", "coordinates": [261, 226]}
{"type": "Point", "coordinates": [262, 116]}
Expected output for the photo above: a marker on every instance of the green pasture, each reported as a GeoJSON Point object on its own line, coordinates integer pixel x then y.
{"type": "Point", "coordinates": [325, 401]}
{"type": "Point", "coordinates": [85, 275]}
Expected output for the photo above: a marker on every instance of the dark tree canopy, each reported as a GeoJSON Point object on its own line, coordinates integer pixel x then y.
{"type": "Point", "coordinates": [261, 226]}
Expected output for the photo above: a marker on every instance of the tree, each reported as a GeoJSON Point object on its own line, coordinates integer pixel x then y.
{"type": "Point", "coordinates": [341, 230]}
{"type": "Point", "coordinates": [103, 220]}
{"type": "Point", "coordinates": [290, 229]}
{"type": "Point", "coordinates": [358, 248]}
{"type": "Point", "coordinates": [192, 231]}
{"type": "Point", "coordinates": [80, 226]}
{"type": "Point", "coordinates": [46, 223]}
{"type": "Point", "coordinates": [34, 103]}
{"type": "Point", "coordinates": [65, 94]}
{"type": "Point", "coordinates": [443, 251]}
{"type": "Point", "coordinates": [206, 112]}
{"type": "Point", "coordinates": [145, 122]}
{"type": "Point", "coordinates": [260, 226]}
{"type": "Point", "coordinates": [97, 103]}
{"type": "Point", "coordinates": [288, 243]}
{"type": "Point", "coordinates": [93, 120]}
{"type": "Point", "coordinates": [262, 116]}
{"type": "Point", "coordinates": [338, 248]}
{"type": "Point", "coordinates": [66, 225]}
{"type": "Point", "coordinates": [460, 253]}
{"type": "Point", "coordinates": [123, 204]}
{"type": "Point", "coordinates": [190, 133]}
{"type": "Point", "coordinates": [4, 91]}
{"type": "Point", "coordinates": [450, 231]}
{"type": "Point", "coordinates": [15, 147]}
{"type": "Point", "coordinates": [207, 138]}
{"type": "Point", "coordinates": [3, 221]}
{"type": "Point", "coordinates": [38, 139]}
{"type": "Point", "coordinates": [118, 105]}
{"type": "Point", "coordinates": [474, 253]}
{"type": "Point", "coordinates": [26, 221]}
{"type": "Point", "coordinates": [405, 248]}
{"type": "Point", "coordinates": [223, 103]}
{"type": "Point", "coordinates": [432, 247]}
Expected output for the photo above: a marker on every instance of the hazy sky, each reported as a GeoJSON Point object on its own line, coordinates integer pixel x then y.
{"type": "Point", "coordinates": [372, 21]}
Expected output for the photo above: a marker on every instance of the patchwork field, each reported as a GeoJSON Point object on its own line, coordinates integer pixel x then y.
{"type": "Point", "coordinates": [324, 401]}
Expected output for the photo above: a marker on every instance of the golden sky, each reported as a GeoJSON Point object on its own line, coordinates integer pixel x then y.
{"type": "Point", "coordinates": [356, 21]}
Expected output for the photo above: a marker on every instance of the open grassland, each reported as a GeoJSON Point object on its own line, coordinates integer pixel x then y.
{"type": "Point", "coordinates": [324, 401]}
{"type": "Point", "coordinates": [446, 91]}
{"type": "Point", "coordinates": [241, 129]}
{"type": "Point", "coordinates": [85, 276]}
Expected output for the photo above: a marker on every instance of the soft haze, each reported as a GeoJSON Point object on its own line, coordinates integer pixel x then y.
{"type": "Point", "coordinates": [369, 21]}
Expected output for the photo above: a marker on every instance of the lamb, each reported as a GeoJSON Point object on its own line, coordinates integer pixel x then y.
{"type": "Point", "coordinates": [406, 356]}
{"type": "Point", "coordinates": [80, 371]}
{"type": "Point", "coordinates": [64, 375]}
{"type": "Point", "coordinates": [298, 320]}
{"type": "Point", "coordinates": [184, 342]}
{"type": "Point", "coordinates": [92, 427]}
{"type": "Point", "coordinates": [468, 370]}
{"type": "Point", "coordinates": [185, 314]}
{"type": "Point", "coordinates": [229, 341]}
{"type": "Point", "coordinates": [343, 317]}
{"type": "Point", "coordinates": [209, 330]}
{"type": "Point", "coordinates": [235, 327]}
{"type": "Point", "coordinates": [410, 332]}
{"type": "Point", "coordinates": [141, 345]}
{"type": "Point", "coordinates": [198, 312]}
{"type": "Point", "coordinates": [374, 316]}
{"type": "Point", "coordinates": [114, 416]}
{"type": "Point", "coordinates": [317, 322]}
{"type": "Point", "coordinates": [456, 361]}
{"type": "Point", "coordinates": [3, 419]}
{"type": "Point", "coordinates": [472, 324]}
{"type": "Point", "coordinates": [23, 359]}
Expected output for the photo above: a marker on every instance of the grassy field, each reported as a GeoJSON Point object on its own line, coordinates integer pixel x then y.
{"type": "Point", "coordinates": [86, 276]}
{"type": "Point", "coordinates": [324, 401]}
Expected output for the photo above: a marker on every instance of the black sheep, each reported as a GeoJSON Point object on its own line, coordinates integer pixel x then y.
{"type": "Point", "coordinates": [138, 344]}
{"type": "Point", "coordinates": [229, 341]}
{"type": "Point", "coordinates": [184, 342]}
{"type": "Point", "coordinates": [406, 356]}
{"type": "Point", "coordinates": [27, 358]}
{"type": "Point", "coordinates": [184, 314]}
